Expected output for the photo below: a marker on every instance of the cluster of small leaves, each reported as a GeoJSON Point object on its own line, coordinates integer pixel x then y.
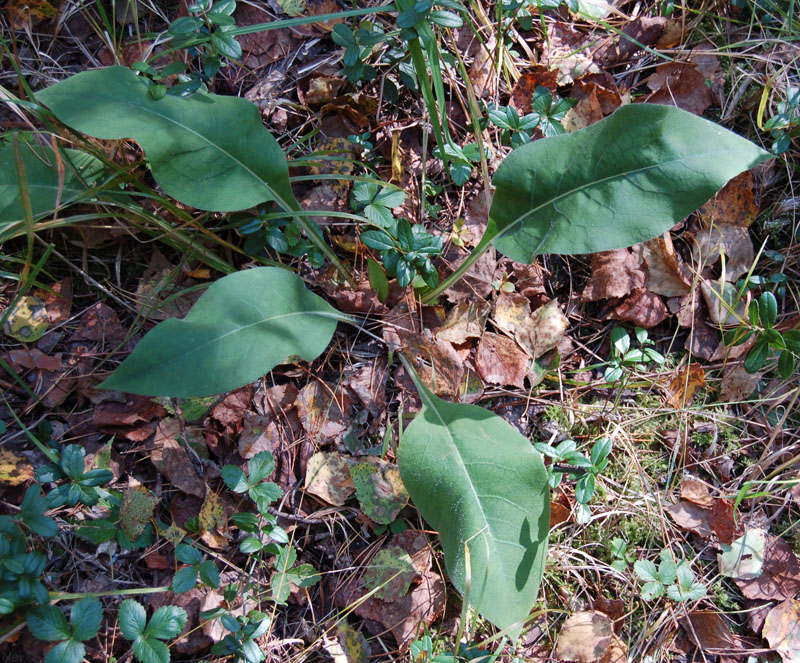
{"type": "Point", "coordinates": [288, 573]}
{"type": "Point", "coordinates": [567, 460]}
{"type": "Point", "coordinates": [785, 125]}
{"type": "Point", "coordinates": [624, 355]}
{"type": "Point", "coordinates": [770, 341]}
{"type": "Point", "coordinates": [516, 129]}
{"type": "Point", "coordinates": [359, 43]}
{"type": "Point", "coordinates": [48, 622]}
{"type": "Point", "coordinates": [80, 487]}
{"type": "Point", "coordinates": [678, 579]}
{"type": "Point", "coordinates": [459, 160]}
{"type": "Point", "coordinates": [186, 578]}
{"type": "Point", "coordinates": [244, 631]}
{"type": "Point", "coordinates": [622, 556]}
{"type": "Point", "coordinates": [264, 526]}
{"type": "Point", "coordinates": [376, 201]}
{"type": "Point", "coordinates": [423, 12]}
{"type": "Point", "coordinates": [165, 624]}
{"type": "Point", "coordinates": [550, 110]}
{"type": "Point", "coordinates": [20, 568]}
{"type": "Point", "coordinates": [281, 234]}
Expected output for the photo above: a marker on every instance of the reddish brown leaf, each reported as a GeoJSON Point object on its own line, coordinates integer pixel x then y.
{"type": "Point", "coordinates": [99, 323]}
{"type": "Point", "coordinates": [782, 630]}
{"type": "Point", "coordinates": [734, 204]}
{"type": "Point", "coordinates": [34, 358]}
{"type": "Point", "coordinates": [722, 521]}
{"type": "Point", "coordinates": [57, 301]}
{"type": "Point", "coordinates": [691, 517]}
{"type": "Point", "coordinates": [526, 85]}
{"type": "Point", "coordinates": [642, 30]}
{"type": "Point", "coordinates": [682, 85]}
{"type": "Point", "coordinates": [709, 630]}
{"type": "Point", "coordinates": [685, 384]}
{"type": "Point", "coordinates": [780, 577]}
{"type": "Point", "coordinates": [500, 360]}
{"type": "Point", "coordinates": [614, 274]}
{"type": "Point", "coordinates": [437, 363]}
{"type": "Point", "coordinates": [642, 308]}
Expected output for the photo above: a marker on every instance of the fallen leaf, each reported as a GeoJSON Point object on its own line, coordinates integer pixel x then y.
{"type": "Point", "coordinates": [100, 323]}
{"type": "Point", "coordinates": [213, 517]}
{"type": "Point", "coordinates": [567, 51]}
{"type": "Point", "coordinates": [192, 639]}
{"type": "Point", "coordinates": [641, 308]}
{"type": "Point", "coordinates": [26, 14]}
{"type": "Point", "coordinates": [641, 31]}
{"type": "Point", "coordinates": [437, 363]}
{"type": "Point", "coordinates": [476, 284]}
{"type": "Point", "coordinates": [464, 321]}
{"type": "Point", "coordinates": [691, 517]}
{"type": "Point", "coordinates": [543, 330]}
{"type": "Point", "coordinates": [743, 559]}
{"type": "Point", "coordinates": [368, 383]}
{"type": "Point", "coordinates": [34, 358]}
{"type": "Point", "coordinates": [14, 470]}
{"type": "Point", "coordinates": [680, 84]}
{"type": "Point", "coordinates": [57, 300]}
{"type": "Point", "coordinates": [782, 630]}
{"type": "Point", "coordinates": [27, 320]}
{"type": "Point", "coordinates": [584, 637]}
{"type": "Point", "coordinates": [723, 521]}
{"type": "Point", "coordinates": [266, 46]}
{"type": "Point", "coordinates": [499, 360]}
{"type": "Point", "coordinates": [522, 92]}
{"type": "Point", "coordinates": [698, 492]}
{"type": "Point", "coordinates": [159, 295]}
{"type": "Point", "coordinates": [353, 646]}
{"type": "Point", "coordinates": [171, 458]}
{"type": "Point", "coordinates": [728, 239]}
{"type": "Point", "coordinates": [323, 412]}
{"type": "Point", "coordinates": [780, 577]}
{"type": "Point", "coordinates": [138, 507]}
{"type": "Point", "coordinates": [734, 204]}
{"type": "Point", "coordinates": [725, 306]}
{"type": "Point", "coordinates": [709, 630]}
{"type": "Point", "coordinates": [379, 489]}
{"type": "Point", "coordinates": [617, 651]}
{"type": "Point", "coordinates": [390, 573]}
{"type": "Point", "coordinates": [328, 477]}
{"type": "Point", "coordinates": [737, 384]}
{"type": "Point", "coordinates": [614, 274]}
{"type": "Point", "coordinates": [685, 384]}
{"type": "Point", "coordinates": [666, 273]}
{"type": "Point", "coordinates": [614, 608]}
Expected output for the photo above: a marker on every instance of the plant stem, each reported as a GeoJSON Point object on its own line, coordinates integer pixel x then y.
{"type": "Point", "coordinates": [67, 596]}
{"type": "Point", "coordinates": [465, 266]}
{"type": "Point", "coordinates": [304, 20]}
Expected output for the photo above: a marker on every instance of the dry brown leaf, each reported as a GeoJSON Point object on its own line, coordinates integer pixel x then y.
{"type": "Point", "coordinates": [99, 323]}
{"type": "Point", "coordinates": [614, 274]}
{"type": "Point", "coordinates": [323, 413]}
{"type": "Point", "coordinates": [698, 492]}
{"type": "Point", "coordinates": [682, 85]}
{"type": "Point", "coordinates": [685, 384]}
{"type": "Point", "coordinates": [666, 273]}
{"type": "Point", "coordinates": [642, 30]}
{"type": "Point", "coordinates": [368, 383]}
{"type": "Point", "coordinates": [691, 517]}
{"type": "Point", "coordinates": [782, 630]}
{"type": "Point", "coordinates": [57, 301]}
{"type": "Point", "coordinates": [401, 323]}
{"type": "Point", "coordinates": [499, 360]}
{"type": "Point", "coordinates": [723, 306]}
{"type": "Point", "coordinates": [265, 47]}
{"type": "Point", "coordinates": [523, 89]}
{"type": "Point", "coordinates": [319, 88]}
{"type": "Point", "coordinates": [584, 637]}
{"type": "Point", "coordinates": [328, 477]}
{"type": "Point", "coordinates": [437, 363]}
{"type": "Point", "coordinates": [543, 330]}
{"type": "Point", "coordinates": [642, 308]}
{"type": "Point", "coordinates": [709, 630]}
{"type": "Point", "coordinates": [26, 359]}
{"type": "Point", "coordinates": [464, 321]}
{"type": "Point", "coordinates": [567, 51]}
{"type": "Point", "coordinates": [734, 204]}
{"type": "Point", "coordinates": [731, 240]}
{"type": "Point", "coordinates": [617, 651]}
{"type": "Point", "coordinates": [780, 576]}
{"type": "Point", "coordinates": [723, 521]}
{"type": "Point", "coordinates": [172, 459]}
{"type": "Point", "coordinates": [476, 284]}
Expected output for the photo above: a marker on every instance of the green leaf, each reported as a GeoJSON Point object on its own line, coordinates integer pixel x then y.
{"type": "Point", "coordinates": [150, 650]}
{"type": "Point", "coordinates": [646, 570]}
{"type": "Point", "coordinates": [166, 622]}
{"type": "Point", "coordinates": [226, 45]}
{"type": "Point", "coordinates": [188, 554]}
{"type": "Point", "coordinates": [209, 574]}
{"type": "Point", "coordinates": [261, 466]}
{"type": "Point", "coordinates": [652, 590]}
{"type": "Point", "coordinates": [768, 309]}
{"type": "Point", "coordinates": [377, 279]}
{"type": "Point", "coordinates": [243, 325]}
{"type": "Point", "coordinates": [480, 483]}
{"type": "Point", "coordinates": [68, 651]}
{"type": "Point", "coordinates": [132, 619]}
{"type": "Point", "coordinates": [85, 617]}
{"type": "Point", "coordinates": [48, 622]}
{"type": "Point", "coordinates": [184, 579]}
{"type": "Point", "coordinates": [250, 545]}
{"type": "Point", "coordinates": [621, 181]}
{"type": "Point", "coordinates": [81, 171]}
{"type": "Point", "coordinates": [265, 494]}
{"type": "Point", "coordinates": [757, 357]}
{"type": "Point", "coordinates": [207, 151]}
{"type": "Point", "coordinates": [234, 478]}
{"type": "Point", "coordinates": [97, 531]}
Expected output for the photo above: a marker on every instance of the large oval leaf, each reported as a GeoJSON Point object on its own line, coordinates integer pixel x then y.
{"type": "Point", "coordinates": [207, 151]}
{"type": "Point", "coordinates": [244, 325]}
{"type": "Point", "coordinates": [45, 187]}
{"type": "Point", "coordinates": [479, 482]}
{"type": "Point", "coordinates": [624, 180]}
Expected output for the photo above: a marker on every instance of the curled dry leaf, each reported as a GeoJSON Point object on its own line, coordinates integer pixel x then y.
{"type": "Point", "coordinates": [641, 308]}
{"type": "Point", "coordinates": [666, 273]}
{"type": "Point", "coordinates": [328, 477]}
{"type": "Point", "coordinates": [172, 459]}
{"type": "Point", "coordinates": [782, 630]}
{"type": "Point", "coordinates": [464, 321]}
{"type": "Point", "coordinates": [734, 204]}
{"type": "Point", "coordinates": [685, 384]}
{"type": "Point", "coordinates": [698, 492]}
{"type": "Point", "coordinates": [641, 30]}
{"type": "Point", "coordinates": [728, 239]}
{"type": "Point", "coordinates": [584, 637]}
{"type": "Point", "coordinates": [691, 517]}
{"type": "Point", "coordinates": [614, 274]}
{"type": "Point", "coordinates": [500, 360]}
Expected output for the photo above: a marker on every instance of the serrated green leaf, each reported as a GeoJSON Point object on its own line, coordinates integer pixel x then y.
{"type": "Point", "coordinates": [188, 554]}
{"type": "Point", "coordinates": [241, 327]}
{"type": "Point", "coordinates": [69, 651]}
{"type": "Point", "coordinates": [646, 570]}
{"type": "Point", "coordinates": [209, 573]}
{"type": "Point", "coordinates": [48, 622]}
{"type": "Point", "coordinates": [166, 622]}
{"type": "Point", "coordinates": [132, 619]}
{"type": "Point", "coordinates": [234, 478]}
{"type": "Point", "coordinates": [621, 181]}
{"type": "Point", "coordinates": [261, 466]}
{"type": "Point", "coordinates": [184, 579]}
{"type": "Point", "coordinates": [651, 590]}
{"type": "Point", "coordinates": [85, 617]}
{"type": "Point", "coordinates": [150, 650]}
{"type": "Point", "coordinates": [480, 483]}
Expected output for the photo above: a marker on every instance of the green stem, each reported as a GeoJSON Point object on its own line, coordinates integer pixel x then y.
{"type": "Point", "coordinates": [304, 20]}
{"type": "Point", "coordinates": [421, 70]}
{"type": "Point", "coordinates": [68, 596]}
{"type": "Point", "coordinates": [45, 450]}
{"type": "Point", "coordinates": [465, 266]}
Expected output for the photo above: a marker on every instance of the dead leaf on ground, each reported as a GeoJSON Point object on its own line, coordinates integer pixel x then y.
{"type": "Point", "coordinates": [213, 521]}
{"type": "Point", "coordinates": [642, 30]}
{"type": "Point", "coordinates": [709, 630]}
{"type": "Point", "coordinates": [743, 559]}
{"type": "Point", "coordinates": [26, 14]}
{"type": "Point", "coordinates": [368, 383]}
{"type": "Point", "coordinates": [691, 517]}
{"type": "Point", "coordinates": [134, 419]}
{"type": "Point", "coordinates": [666, 273]}
{"type": "Point", "coordinates": [614, 274]}
{"type": "Point", "coordinates": [57, 301]}
{"type": "Point", "coordinates": [379, 489]}
{"type": "Point", "coordinates": [390, 573]}
{"type": "Point", "coordinates": [543, 330]}
{"type": "Point", "coordinates": [26, 321]}
{"type": "Point", "coordinates": [734, 204]}
{"type": "Point", "coordinates": [328, 477]}
{"type": "Point", "coordinates": [737, 384]}
{"type": "Point", "coordinates": [617, 651]}
{"type": "Point", "coordinates": [138, 507]}
{"type": "Point", "coordinates": [500, 360]}
{"type": "Point", "coordinates": [680, 84]}
{"type": "Point", "coordinates": [191, 639]}
{"type": "Point", "coordinates": [171, 458]}
{"type": "Point", "coordinates": [685, 384]}
{"type": "Point", "coordinates": [725, 306]}
{"type": "Point", "coordinates": [437, 363]}
{"type": "Point", "coordinates": [584, 637]}
{"type": "Point", "coordinates": [99, 323]}
{"type": "Point", "coordinates": [567, 51]}
{"type": "Point", "coordinates": [523, 89]}
{"type": "Point", "coordinates": [261, 48]}
{"type": "Point", "coordinates": [698, 492]}
{"type": "Point", "coordinates": [723, 521]}
{"type": "Point", "coordinates": [731, 240]}
{"type": "Point", "coordinates": [27, 359]}
{"type": "Point", "coordinates": [782, 630]}
{"type": "Point", "coordinates": [14, 470]}
{"type": "Point", "coordinates": [352, 645]}
{"type": "Point", "coordinates": [641, 308]}
{"type": "Point", "coordinates": [476, 284]}
{"type": "Point", "coordinates": [464, 321]}
{"type": "Point", "coordinates": [323, 412]}
{"type": "Point", "coordinates": [780, 577]}
{"type": "Point", "coordinates": [160, 281]}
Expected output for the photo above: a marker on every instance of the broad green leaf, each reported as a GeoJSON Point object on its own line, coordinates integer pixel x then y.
{"type": "Point", "coordinates": [47, 622]}
{"type": "Point", "coordinates": [244, 324]}
{"type": "Point", "coordinates": [98, 530]}
{"type": "Point", "coordinates": [69, 651]}
{"type": "Point", "coordinates": [80, 173]}
{"type": "Point", "coordinates": [234, 478]}
{"type": "Point", "coordinates": [132, 619]}
{"type": "Point", "coordinates": [646, 570]}
{"type": "Point", "coordinates": [166, 622]}
{"type": "Point", "coordinates": [188, 554]}
{"type": "Point", "coordinates": [184, 579]}
{"type": "Point", "coordinates": [480, 483]}
{"type": "Point", "coordinates": [85, 617]}
{"type": "Point", "coordinates": [207, 151]}
{"type": "Point", "coordinates": [261, 466]}
{"type": "Point", "coordinates": [209, 573]}
{"type": "Point", "coordinates": [150, 650]}
{"type": "Point", "coordinates": [623, 180]}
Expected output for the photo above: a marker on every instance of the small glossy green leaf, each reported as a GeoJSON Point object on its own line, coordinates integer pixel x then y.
{"type": "Point", "coordinates": [768, 309]}
{"type": "Point", "coordinates": [85, 617]}
{"type": "Point", "coordinates": [226, 44]}
{"type": "Point", "coordinates": [234, 478]}
{"type": "Point", "coordinates": [166, 622]}
{"type": "Point", "coordinates": [150, 650]}
{"type": "Point", "coordinates": [207, 151]}
{"type": "Point", "coordinates": [786, 364]}
{"type": "Point", "coordinates": [184, 579]}
{"type": "Point", "coordinates": [480, 483]}
{"type": "Point", "coordinates": [377, 279]}
{"type": "Point", "coordinates": [250, 545]}
{"type": "Point", "coordinates": [621, 181]}
{"type": "Point", "coordinates": [132, 619]}
{"type": "Point", "coordinates": [757, 356]}
{"type": "Point", "coordinates": [244, 325]}
{"type": "Point", "coordinates": [69, 651]}
{"type": "Point", "coordinates": [48, 622]}
{"type": "Point", "coordinates": [261, 466]}
{"type": "Point", "coordinates": [209, 573]}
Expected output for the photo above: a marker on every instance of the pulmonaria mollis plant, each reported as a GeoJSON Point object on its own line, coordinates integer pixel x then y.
{"type": "Point", "coordinates": [482, 485]}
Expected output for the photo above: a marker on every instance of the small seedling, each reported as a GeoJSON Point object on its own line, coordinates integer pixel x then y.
{"type": "Point", "coordinates": [244, 631]}
{"type": "Point", "coordinates": [186, 578]}
{"type": "Point", "coordinates": [81, 487]}
{"type": "Point", "coordinates": [259, 467]}
{"type": "Point", "coordinates": [47, 622]}
{"type": "Point", "coordinates": [785, 125]}
{"type": "Point", "coordinates": [677, 577]}
{"type": "Point", "coordinates": [406, 251]}
{"type": "Point", "coordinates": [165, 624]}
{"type": "Point", "coordinates": [624, 355]}
{"type": "Point", "coordinates": [619, 549]}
